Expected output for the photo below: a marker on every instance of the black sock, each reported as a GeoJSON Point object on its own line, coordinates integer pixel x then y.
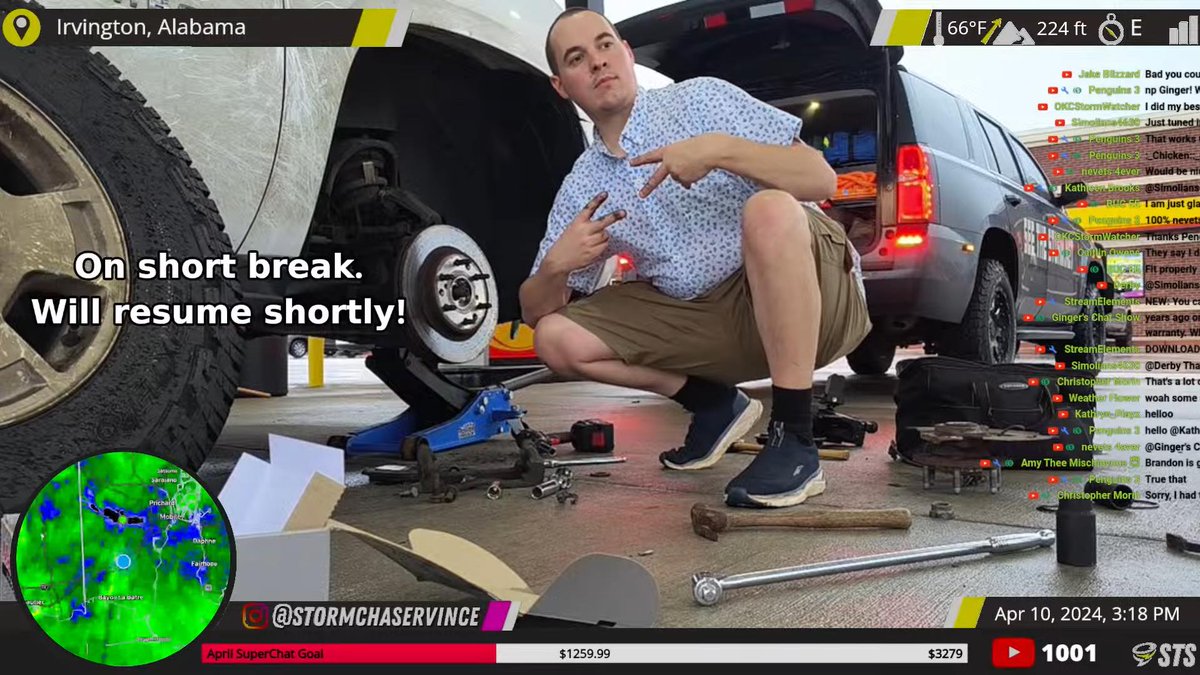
{"type": "Point", "coordinates": [793, 407]}
{"type": "Point", "coordinates": [697, 393]}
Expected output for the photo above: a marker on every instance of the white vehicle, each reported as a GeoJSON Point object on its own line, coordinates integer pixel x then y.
{"type": "Point", "coordinates": [432, 165]}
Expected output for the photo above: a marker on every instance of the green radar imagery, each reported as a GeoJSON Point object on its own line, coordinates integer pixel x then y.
{"type": "Point", "coordinates": [123, 559]}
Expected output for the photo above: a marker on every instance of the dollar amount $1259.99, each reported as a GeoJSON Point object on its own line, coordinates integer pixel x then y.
{"type": "Point", "coordinates": [583, 653]}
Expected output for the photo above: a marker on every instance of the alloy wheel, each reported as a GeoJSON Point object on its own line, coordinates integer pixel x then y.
{"type": "Point", "coordinates": [52, 208]}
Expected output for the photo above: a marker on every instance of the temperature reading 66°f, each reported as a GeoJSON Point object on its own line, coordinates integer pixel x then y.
{"type": "Point", "coordinates": [965, 27]}
{"type": "Point", "coordinates": [1069, 653]}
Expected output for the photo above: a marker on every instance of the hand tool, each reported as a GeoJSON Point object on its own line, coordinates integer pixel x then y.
{"type": "Point", "coordinates": [830, 426]}
{"type": "Point", "coordinates": [560, 482]}
{"type": "Point", "coordinates": [708, 589]}
{"type": "Point", "coordinates": [587, 436]}
{"type": "Point", "coordinates": [742, 446]}
{"type": "Point", "coordinates": [709, 523]}
{"type": "Point", "coordinates": [586, 461]}
{"type": "Point", "coordinates": [495, 491]}
{"type": "Point", "coordinates": [1177, 542]}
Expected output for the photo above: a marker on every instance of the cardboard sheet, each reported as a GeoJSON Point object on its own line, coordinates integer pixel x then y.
{"type": "Point", "coordinates": [452, 562]}
{"type": "Point", "coordinates": [316, 505]}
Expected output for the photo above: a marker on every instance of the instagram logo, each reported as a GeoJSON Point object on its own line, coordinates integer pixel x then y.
{"type": "Point", "coordinates": [255, 616]}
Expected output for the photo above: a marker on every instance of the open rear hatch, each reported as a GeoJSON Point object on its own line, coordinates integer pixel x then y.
{"type": "Point", "coordinates": [773, 49]}
{"type": "Point", "coordinates": [811, 57]}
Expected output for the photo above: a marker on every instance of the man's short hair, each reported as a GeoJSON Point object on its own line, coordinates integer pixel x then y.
{"type": "Point", "coordinates": [551, 57]}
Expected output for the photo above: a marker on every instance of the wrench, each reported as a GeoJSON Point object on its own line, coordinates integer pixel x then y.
{"type": "Point", "coordinates": [559, 463]}
{"type": "Point", "coordinates": [708, 589]}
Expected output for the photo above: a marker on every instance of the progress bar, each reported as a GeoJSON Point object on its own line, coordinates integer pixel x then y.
{"type": "Point", "coordinates": [387, 654]}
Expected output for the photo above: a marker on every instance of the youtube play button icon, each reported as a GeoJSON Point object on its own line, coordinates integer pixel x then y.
{"type": "Point", "coordinates": [1013, 653]}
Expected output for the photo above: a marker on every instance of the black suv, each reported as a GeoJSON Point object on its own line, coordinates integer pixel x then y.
{"type": "Point", "coordinates": [965, 246]}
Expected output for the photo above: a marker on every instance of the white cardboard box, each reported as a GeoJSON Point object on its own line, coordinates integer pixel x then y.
{"type": "Point", "coordinates": [279, 512]}
{"type": "Point", "coordinates": [287, 566]}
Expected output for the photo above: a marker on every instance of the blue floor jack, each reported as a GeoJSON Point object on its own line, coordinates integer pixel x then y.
{"type": "Point", "coordinates": [443, 416]}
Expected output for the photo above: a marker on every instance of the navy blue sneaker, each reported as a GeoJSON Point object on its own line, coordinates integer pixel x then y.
{"type": "Point", "coordinates": [786, 472]}
{"type": "Point", "coordinates": [712, 431]}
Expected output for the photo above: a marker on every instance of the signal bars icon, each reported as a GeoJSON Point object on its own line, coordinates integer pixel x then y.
{"type": "Point", "coordinates": [1187, 33]}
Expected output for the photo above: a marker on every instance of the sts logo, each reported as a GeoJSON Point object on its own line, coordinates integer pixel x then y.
{"type": "Point", "coordinates": [1170, 655]}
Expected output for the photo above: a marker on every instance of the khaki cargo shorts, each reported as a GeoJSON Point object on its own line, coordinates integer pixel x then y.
{"type": "Point", "coordinates": [715, 336]}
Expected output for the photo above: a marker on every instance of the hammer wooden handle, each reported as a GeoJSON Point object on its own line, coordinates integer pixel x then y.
{"type": "Point", "coordinates": [742, 446]}
{"type": "Point", "coordinates": [899, 519]}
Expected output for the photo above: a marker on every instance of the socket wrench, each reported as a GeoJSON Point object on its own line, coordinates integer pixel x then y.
{"type": "Point", "coordinates": [561, 480]}
{"type": "Point", "coordinates": [708, 589]}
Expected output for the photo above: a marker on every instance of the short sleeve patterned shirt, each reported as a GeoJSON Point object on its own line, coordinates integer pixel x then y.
{"type": "Point", "coordinates": [684, 241]}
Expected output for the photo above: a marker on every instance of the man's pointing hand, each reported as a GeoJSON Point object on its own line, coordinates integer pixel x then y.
{"type": "Point", "coordinates": [686, 161]}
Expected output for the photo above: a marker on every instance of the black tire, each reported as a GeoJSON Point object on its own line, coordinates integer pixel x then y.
{"type": "Point", "coordinates": [298, 348]}
{"type": "Point", "coordinates": [1088, 335]}
{"type": "Point", "coordinates": [988, 332]}
{"type": "Point", "coordinates": [161, 390]}
{"type": "Point", "coordinates": [872, 357]}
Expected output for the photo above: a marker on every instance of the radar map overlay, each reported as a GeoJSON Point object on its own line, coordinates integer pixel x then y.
{"type": "Point", "coordinates": [123, 559]}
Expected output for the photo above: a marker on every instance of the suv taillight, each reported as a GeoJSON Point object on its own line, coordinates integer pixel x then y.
{"type": "Point", "coordinates": [914, 196]}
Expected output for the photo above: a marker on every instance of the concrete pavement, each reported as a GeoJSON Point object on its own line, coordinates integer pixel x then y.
{"type": "Point", "coordinates": [642, 511]}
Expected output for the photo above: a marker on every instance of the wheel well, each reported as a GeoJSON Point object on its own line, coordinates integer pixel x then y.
{"type": "Point", "coordinates": [998, 245]}
{"type": "Point", "coordinates": [472, 136]}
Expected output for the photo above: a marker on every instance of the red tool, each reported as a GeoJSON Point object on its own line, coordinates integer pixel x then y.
{"type": "Point", "coordinates": [587, 436]}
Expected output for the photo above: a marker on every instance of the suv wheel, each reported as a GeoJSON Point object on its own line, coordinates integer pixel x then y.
{"type": "Point", "coordinates": [1088, 334]}
{"type": "Point", "coordinates": [298, 347]}
{"type": "Point", "coordinates": [103, 176]}
{"type": "Point", "coordinates": [872, 357]}
{"type": "Point", "coordinates": [988, 333]}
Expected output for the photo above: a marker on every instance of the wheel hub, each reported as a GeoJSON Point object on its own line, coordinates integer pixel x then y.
{"type": "Point", "coordinates": [450, 294]}
{"type": "Point", "coordinates": [462, 297]}
{"type": "Point", "coordinates": [52, 208]}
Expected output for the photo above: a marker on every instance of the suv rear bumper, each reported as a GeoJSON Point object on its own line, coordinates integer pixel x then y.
{"type": "Point", "coordinates": [925, 283]}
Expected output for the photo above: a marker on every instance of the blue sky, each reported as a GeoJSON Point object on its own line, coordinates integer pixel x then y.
{"type": "Point", "coordinates": [1007, 82]}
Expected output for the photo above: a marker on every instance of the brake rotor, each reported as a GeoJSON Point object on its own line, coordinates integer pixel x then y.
{"type": "Point", "coordinates": [450, 294]}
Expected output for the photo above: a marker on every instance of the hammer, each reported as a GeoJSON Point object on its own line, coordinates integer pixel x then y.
{"type": "Point", "coordinates": [742, 446]}
{"type": "Point", "coordinates": [709, 523]}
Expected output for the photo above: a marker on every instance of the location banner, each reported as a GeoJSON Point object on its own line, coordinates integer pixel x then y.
{"type": "Point", "coordinates": [207, 28]}
{"type": "Point", "coordinates": [1038, 28]}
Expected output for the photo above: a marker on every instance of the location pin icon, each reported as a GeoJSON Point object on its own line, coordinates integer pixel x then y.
{"type": "Point", "coordinates": [21, 28]}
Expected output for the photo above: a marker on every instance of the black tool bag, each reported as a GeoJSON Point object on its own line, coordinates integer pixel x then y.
{"type": "Point", "coordinates": [941, 389]}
